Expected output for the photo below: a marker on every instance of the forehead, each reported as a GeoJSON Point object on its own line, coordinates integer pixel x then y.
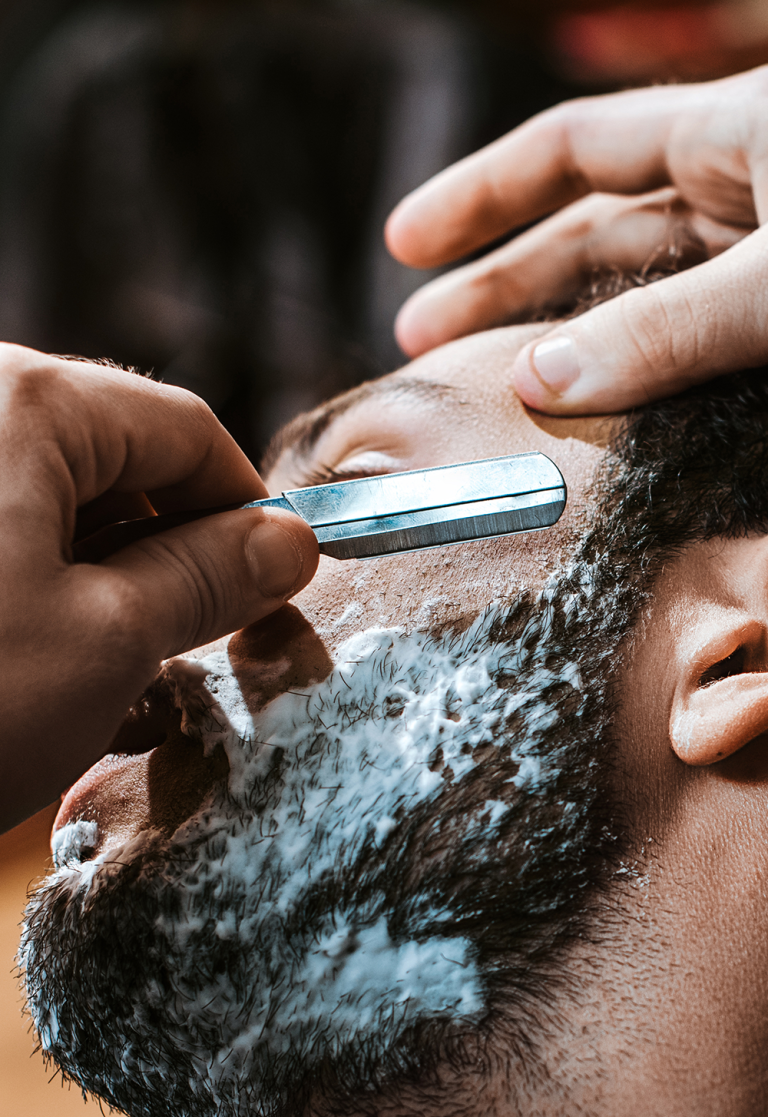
{"type": "Point", "coordinates": [466, 384]}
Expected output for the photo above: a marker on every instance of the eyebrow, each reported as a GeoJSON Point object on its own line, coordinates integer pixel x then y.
{"type": "Point", "coordinates": [301, 435]}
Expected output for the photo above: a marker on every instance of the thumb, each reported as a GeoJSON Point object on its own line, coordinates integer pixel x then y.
{"type": "Point", "coordinates": [192, 584]}
{"type": "Point", "coordinates": [654, 341]}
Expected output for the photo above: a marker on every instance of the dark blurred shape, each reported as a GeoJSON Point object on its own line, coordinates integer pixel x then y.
{"type": "Point", "coordinates": [200, 188]}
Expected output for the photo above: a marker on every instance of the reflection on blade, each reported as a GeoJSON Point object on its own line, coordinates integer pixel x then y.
{"type": "Point", "coordinates": [433, 507]}
{"type": "Point", "coordinates": [413, 531]}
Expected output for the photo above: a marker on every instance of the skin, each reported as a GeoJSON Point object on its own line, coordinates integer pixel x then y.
{"type": "Point", "coordinates": [621, 1040]}
{"type": "Point", "coordinates": [624, 177]}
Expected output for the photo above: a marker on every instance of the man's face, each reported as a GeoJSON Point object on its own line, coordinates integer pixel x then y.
{"type": "Point", "coordinates": [450, 406]}
{"type": "Point", "coordinates": [396, 795]}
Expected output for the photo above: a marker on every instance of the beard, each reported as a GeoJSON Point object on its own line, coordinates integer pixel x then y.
{"type": "Point", "coordinates": [383, 840]}
{"type": "Point", "coordinates": [400, 852]}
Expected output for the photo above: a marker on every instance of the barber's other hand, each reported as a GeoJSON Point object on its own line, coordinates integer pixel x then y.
{"type": "Point", "coordinates": [624, 176]}
{"type": "Point", "coordinates": [81, 642]}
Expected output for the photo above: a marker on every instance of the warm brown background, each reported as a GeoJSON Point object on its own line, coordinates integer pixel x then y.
{"type": "Point", "coordinates": [25, 1090]}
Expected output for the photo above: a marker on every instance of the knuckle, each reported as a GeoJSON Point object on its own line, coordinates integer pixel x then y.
{"type": "Point", "coordinates": [569, 122]}
{"type": "Point", "coordinates": [665, 334]}
{"type": "Point", "coordinates": [207, 598]}
{"type": "Point", "coordinates": [28, 379]}
{"type": "Point", "coordinates": [34, 404]}
{"type": "Point", "coordinates": [187, 401]}
{"type": "Point", "coordinates": [569, 114]}
{"type": "Point", "coordinates": [199, 422]}
{"type": "Point", "coordinates": [14, 357]}
{"type": "Point", "coordinates": [592, 214]}
{"type": "Point", "coordinates": [491, 288]}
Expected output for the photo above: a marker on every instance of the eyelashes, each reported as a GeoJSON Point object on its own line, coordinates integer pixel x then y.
{"type": "Point", "coordinates": [352, 464]}
{"type": "Point", "coordinates": [325, 475]}
{"type": "Point", "coordinates": [734, 664]}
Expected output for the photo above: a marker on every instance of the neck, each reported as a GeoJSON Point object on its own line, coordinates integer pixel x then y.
{"type": "Point", "coordinates": [666, 1014]}
{"type": "Point", "coordinates": [653, 1018]}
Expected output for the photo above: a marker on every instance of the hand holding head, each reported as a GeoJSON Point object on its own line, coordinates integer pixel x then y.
{"type": "Point", "coordinates": [626, 176]}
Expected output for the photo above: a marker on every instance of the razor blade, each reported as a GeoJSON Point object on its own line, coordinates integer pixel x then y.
{"type": "Point", "coordinates": [396, 512]}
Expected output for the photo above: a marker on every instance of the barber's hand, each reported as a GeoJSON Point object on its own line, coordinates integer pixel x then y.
{"type": "Point", "coordinates": [81, 642]}
{"type": "Point", "coordinates": [624, 175]}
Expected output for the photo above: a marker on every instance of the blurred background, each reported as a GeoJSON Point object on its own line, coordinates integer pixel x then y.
{"type": "Point", "coordinates": [198, 187]}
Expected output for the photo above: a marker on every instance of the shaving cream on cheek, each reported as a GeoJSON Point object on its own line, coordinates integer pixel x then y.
{"type": "Point", "coordinates": [329, 768]}
{"type": "Point", "coordinates": [318, 779]}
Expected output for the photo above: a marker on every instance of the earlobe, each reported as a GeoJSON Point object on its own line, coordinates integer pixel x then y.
{"type": "Point", "coordinates": [711, 722]}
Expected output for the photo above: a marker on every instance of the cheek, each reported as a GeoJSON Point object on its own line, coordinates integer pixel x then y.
{"type": "Point", "coordinates": [282, 652]}
{"type": "Point", "coordinates": [349, 597]}
{"type": "Point", "coordinates": [423, 589]}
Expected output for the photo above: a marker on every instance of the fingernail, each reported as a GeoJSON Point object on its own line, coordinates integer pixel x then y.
{"type": "Point", "coordinates": [275, 559]}
{"type": "Point", "coordinates": [556, 363]}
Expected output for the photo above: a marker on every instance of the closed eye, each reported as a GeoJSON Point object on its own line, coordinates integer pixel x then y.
{"type": "Point", "coordinates": [734, 664]}
{"type": "Point", "coordinates": [324, 475]}
{"type": "Point", "coordinates": [362, 463]}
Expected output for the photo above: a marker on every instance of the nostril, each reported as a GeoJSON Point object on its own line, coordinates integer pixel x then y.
{"type": "Point", "coordinates": [734, 664]}
{"type": "Point", "coordinates": [74, 843]}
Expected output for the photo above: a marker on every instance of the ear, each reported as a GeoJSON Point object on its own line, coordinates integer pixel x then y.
{"type": "Point", "coordinates": [711, 722]}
